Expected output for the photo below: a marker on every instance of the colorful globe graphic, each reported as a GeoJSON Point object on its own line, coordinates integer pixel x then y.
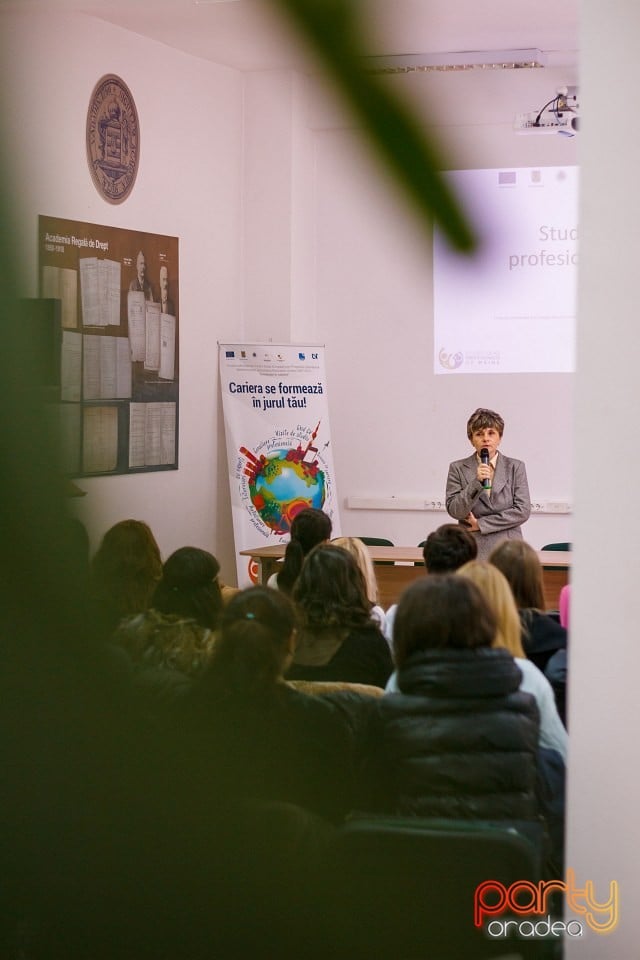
{"type": "Point", "coordinates": [283, 485]}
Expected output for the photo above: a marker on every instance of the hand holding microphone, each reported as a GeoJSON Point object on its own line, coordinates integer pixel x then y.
{"type": "Point", "coordinates": [484, 460]}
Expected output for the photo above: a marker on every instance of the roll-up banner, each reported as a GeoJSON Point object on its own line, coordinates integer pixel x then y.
{"type": "Point", "coordinates": [276, 418]}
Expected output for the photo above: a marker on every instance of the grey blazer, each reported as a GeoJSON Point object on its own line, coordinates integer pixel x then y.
{"type": "Point", "coordinates": [500, 516]}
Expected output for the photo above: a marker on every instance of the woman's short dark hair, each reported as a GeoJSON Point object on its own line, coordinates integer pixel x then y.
{"type": "Point", "coordinates": [442, 611]}
{"type": "Point", "coordinates": [519, 562]}
{"type": "Point", "coordinates": [331, 592]}
{"type": "Point", "coordinates": [448, 548]}
{"type": "Point", "coordinates": [189, 587]}
{"type": "Point", "coordinates": [483, 419]}
{"type": "Point", "coordinates": [308, 528]}
{"type": "Point", "coordinates": [255, 629]}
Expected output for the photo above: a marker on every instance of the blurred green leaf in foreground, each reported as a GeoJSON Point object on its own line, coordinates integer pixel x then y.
{"type": "Point", "coordinates": [334, 32]}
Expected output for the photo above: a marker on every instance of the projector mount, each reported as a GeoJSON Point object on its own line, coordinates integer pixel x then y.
{"type": "Point", "coordinates": [560, 115]}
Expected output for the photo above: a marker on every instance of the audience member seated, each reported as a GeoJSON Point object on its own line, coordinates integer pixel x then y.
{"type": "Point", "coordinates": [308, 528]}
{"type": "Point", "coordinates": [177, 632]}
{"type": "Point", "coordinates": [496, 590]}
{"type": "Point", "coordinates": [358, 550]}
{"type": "Point", "coordinates": [124, 573]}
{"type": "Point", "coordinates": [541, 634]}
{"type": "Point", "coordinates": [556, 669]}
{"type": "Point", "coordinates": [444, 551]}
{"type": "Point", "coordinates": [249, 735]}
{"type": "Point", "coordinates": [460, 739]}
{"type": "Point", "coordinates": [336, 638]}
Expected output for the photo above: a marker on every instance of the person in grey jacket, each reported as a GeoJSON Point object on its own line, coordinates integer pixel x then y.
{"type": "Point", "coordinates": [490, 498]}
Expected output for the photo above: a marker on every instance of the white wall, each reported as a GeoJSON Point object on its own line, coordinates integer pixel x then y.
{"type": "Point", "coordinates": [366, 291]}
{"type": "Point", "coordinates": [188, 185]}
{"type": "Point", "coordinates": [604, 772]}
{"type": "Point", "coordinates": [360, 281]}
{"type": "Point", "coordinates": [286, 231]}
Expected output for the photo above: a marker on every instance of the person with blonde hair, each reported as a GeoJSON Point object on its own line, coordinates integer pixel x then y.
{"type": "Point", "coordinates": [358, 550]}
{"type": "Point", "coordinates": [496, 590]}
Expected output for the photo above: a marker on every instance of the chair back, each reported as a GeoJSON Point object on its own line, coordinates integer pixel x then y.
{"type": "Point", "coordinates": [407, 885]}
{"type": "Point", "coordinates": [379, 542]}
{"type": "Point", "coordinates": [557, 546]}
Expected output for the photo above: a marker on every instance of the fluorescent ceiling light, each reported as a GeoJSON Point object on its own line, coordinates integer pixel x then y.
{"type": "Point", "coordinates": [458, 60]}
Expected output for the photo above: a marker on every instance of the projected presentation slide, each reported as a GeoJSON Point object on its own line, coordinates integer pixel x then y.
{"type": "Point", "coordinates": [510, 308]}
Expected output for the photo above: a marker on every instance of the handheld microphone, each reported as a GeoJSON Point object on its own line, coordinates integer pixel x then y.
{"type": "Point", "coordinates": [484, 458]}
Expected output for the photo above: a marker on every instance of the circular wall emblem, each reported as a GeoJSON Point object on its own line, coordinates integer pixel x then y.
{"type": "Point", "coordinates": [113, 139]}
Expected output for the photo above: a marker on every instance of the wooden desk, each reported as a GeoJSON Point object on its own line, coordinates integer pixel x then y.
{"type": "Point", "coordinates": [395, 569]}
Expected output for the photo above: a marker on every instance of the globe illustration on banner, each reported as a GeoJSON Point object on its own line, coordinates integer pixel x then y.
{"type": "Point", "coordinates": [284, 483]}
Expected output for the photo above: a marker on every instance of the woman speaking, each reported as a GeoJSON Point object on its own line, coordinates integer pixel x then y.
{"type": "Point", "coordinates": [488, 492]}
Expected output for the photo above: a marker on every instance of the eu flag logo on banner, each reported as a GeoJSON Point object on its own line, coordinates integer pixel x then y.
{"type": "Point", "coordinates": [229, 354]}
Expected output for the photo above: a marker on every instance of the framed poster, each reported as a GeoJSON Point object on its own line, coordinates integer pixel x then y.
{"type": "Point", "coordinates": [118, 346]}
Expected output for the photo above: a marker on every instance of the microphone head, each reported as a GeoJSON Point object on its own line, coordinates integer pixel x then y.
{"type": "Point", "coordinates": [484, 455]}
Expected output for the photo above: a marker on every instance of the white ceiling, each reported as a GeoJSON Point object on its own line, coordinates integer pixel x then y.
{"type": "Point", "coordinates": [248, 35]}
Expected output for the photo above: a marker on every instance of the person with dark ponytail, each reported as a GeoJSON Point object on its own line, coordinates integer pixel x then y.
{"type": "Point", "coordinates": [189, 587]}
{"type": "Point", "coordinates": [308, 528]}
{"type": "Point", "coordinates": [251, 735]}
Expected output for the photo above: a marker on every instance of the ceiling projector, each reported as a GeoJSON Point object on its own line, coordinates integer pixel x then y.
{"type": "Point", "coordinates": [560, 115]}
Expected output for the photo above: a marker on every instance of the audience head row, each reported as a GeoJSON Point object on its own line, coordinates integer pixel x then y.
{"type": "Point", "coordinates": [128, 577]}
{"type": "Point", "coordinates": [333, 586]}
{"type": "Point", "coordinates": [472, 608]}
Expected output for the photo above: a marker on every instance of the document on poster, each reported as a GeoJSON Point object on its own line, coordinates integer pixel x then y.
{"type": "Point", "coordinates": [100, 439]}
{"type": "Point", "coordinates": [71, 366]}
{"type": "Point", "coordinates": [152, 430]}
{"type": "Point", "coordinates": [106, 368]}
{"type": "Point", "coordinates": [61, 283]}
{"type": "Point", "coordinates": [167, 346]}
{"type": "Point", "coordinates": [136, 315]}
{"type": "Point", "coordinates": [152, 336]}
{"type": "Point", "coordinates": [100, 292]}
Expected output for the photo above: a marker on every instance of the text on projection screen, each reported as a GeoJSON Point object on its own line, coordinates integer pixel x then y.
{"type": "Point", "coordinates": [510, 308]}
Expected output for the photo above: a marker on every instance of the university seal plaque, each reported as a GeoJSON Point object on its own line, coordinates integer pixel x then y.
{"type": "Point", "coordinates": [113, 139]}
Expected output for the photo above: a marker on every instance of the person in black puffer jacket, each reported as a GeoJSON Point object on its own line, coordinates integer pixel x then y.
{"type": "Point", "coordinates": [459, 740]}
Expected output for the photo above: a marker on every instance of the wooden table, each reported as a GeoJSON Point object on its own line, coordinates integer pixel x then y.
{"type": "Point", "coordinates": [397, 567]}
